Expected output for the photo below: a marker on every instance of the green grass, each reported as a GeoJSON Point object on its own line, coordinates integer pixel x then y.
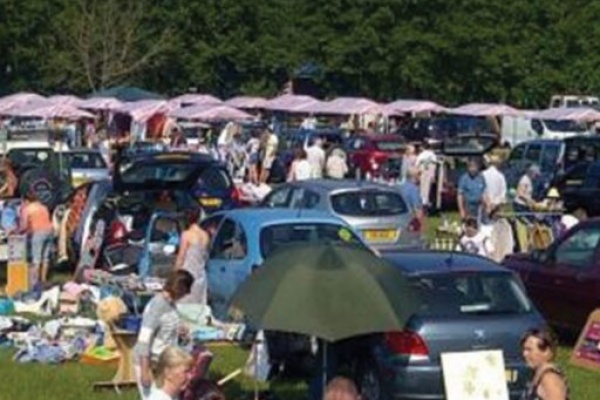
{"type": "Point", "coordinates": [74, 381]}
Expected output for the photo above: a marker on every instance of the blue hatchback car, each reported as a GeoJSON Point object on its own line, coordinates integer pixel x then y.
{"type": "Point", "coordinates": [469, 304]}
{"type": "Point", "coordinates": [243, 238]}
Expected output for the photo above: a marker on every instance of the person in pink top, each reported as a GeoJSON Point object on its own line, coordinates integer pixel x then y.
{"type": "Point", "coordinates": [37, 224]}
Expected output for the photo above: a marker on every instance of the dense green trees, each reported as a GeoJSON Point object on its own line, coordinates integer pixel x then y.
{"type": "Point", "coordinates": [456, 51]}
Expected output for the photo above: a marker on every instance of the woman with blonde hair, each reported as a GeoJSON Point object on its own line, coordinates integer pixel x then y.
{"type": "Point", "coordinates": [172, 374]}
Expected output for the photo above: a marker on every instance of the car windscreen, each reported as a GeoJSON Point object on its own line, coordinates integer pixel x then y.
{"type": "Point", "coordinates": [151, 172]}
{"type": "Point", "coordinates": [456, 294]}
{"type": "Point", "coordinates": [390, 145]}
{"type": "Point", "coordinates": [274, 237]}
{"type": "Point", "coordinates": [368, 203]}
{"type": "Point", "coordinates": [564, 125]}
{"type": "Point", "coordinates": [86, 161]}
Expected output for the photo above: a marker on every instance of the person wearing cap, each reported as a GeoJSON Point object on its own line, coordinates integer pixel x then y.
{"type": "Point", "coordinates": [524, 200]}
{"type": "Point", "coordinates": [495, 183]}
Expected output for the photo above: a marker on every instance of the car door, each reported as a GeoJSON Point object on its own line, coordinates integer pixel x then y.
{"type": "Point", "coordinates": [565, 285]}
{"type": "Point", "coordinates": [228, 263]}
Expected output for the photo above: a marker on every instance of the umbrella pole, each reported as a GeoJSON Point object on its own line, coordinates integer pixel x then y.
{"type": "Point", "coordinates": [324, 365]}
{"type": "Point", "coordinates": [256, 353]}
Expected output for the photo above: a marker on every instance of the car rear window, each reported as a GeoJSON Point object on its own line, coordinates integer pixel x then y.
{"type": "Point", "coordinates": [454, 294]}
{"type": "Point", "coordinates": [86, 161]}
{"type": "Point", "coordinates": [368, 203]}
{"type": "Point", "coordinates": [390, 145]}
{"type": "Point", "coordinates": [277, 236]}
{"type": "Point", "coordinates": [215, 178]}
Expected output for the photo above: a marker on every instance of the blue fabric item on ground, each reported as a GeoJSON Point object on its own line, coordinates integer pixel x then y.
{"type": "Point", "coordinates": [207, 333]}
{"type": "Point", "coordinates": [7, 306]}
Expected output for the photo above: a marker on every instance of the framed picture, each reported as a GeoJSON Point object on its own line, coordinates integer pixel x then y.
{"type": "Point", "coordinates": [476, 375]}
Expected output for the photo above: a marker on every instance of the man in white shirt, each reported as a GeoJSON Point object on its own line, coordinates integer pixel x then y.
{"type": "Point", "coordinates": [524, 200]}
{"type": "Point", "coordinates": [426, 163]}
{"type": "Point", "coordinates": [495, 183]}
{"type": "Point", "coordinates": [316, 158]}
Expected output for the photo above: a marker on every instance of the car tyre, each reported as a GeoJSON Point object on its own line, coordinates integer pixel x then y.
{"type": "Point", "coordinates": [369, 381]}
{"type": "Point", "coordinates": [44, 184]}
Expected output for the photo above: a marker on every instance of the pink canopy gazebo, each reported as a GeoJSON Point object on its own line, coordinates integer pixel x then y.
{"type": "Point", "coordinates": [191, 99]}
{"type": "Point", "coordinates": [52, 111]}
{"type": "Point", "coordinates": [17, 100]}
{"type": "Point", "coordinates": [247, 102]}
{"type": "Point", "coordinates": [100, 103]}
{"type": "Point", "coordinates": [484, 110]}
{"type": "Point", "coordinates": [290, 103]}
{"type": "Point", "coordinates": [570, 114]}
{"type": "Point", "coordinates": [412, 106]}
{"type": "Point", "coordinates": [65, 99]}
{"type": "Point", "coordinates": [344, 106]}
{"type": "Point", "coordinates": [210, 113]}
{"type": "Point", "coordinates": [143, 110]}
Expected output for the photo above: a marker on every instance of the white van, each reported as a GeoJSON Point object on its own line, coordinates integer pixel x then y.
{"type": "Point", "coordinates": [15, 139]}
{"type": "Point", "coordinates": [519, 129]}
{"type": "Point", "coordinates": [574, 101]}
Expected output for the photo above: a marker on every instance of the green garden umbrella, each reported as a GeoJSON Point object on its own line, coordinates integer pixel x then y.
{"type": "Point", "coordinates": [328, 291]}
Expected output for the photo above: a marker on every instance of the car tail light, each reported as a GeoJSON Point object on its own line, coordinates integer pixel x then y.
{"type": "Point", "coordinates": [406, 342]}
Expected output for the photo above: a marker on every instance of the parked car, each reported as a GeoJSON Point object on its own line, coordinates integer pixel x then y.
{"type": "Point", "coordinates": [86, 165]}
{"type": "Point", "coordinates": [376, 211]}
{"type": "Point", "coordinates": [469, 304]}
{"type": "Point", "coordinates": [377, 156]}
{"type": "Point", "coordinates": [553, 156]}
{"type": "Point", "coordinates": [579, 187]}
{"type": "Point", "coordinates": [243, 238]}
{"type": "Point", "coordinates": [160, 182]}
{"type": "Point", "coordinates": [564, 280]}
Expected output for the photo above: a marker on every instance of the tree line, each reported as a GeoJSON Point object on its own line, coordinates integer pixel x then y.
{"type": "Point", "coordinates": [515, 51]}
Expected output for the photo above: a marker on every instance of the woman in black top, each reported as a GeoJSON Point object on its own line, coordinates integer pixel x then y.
{"type": "Point", "coordinates": [548, 381]}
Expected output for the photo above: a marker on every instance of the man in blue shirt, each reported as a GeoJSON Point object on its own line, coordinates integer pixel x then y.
{"type": "Point", "coordinates": [472, 199]}
{"type": "Point", "coordinates": [411, 193]}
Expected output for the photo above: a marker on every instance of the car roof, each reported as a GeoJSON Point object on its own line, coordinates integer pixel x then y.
{"type": "Point", "coordinates": [81, 150]}
{"type": "Point", "coordinates": [433, 262]}
{"type": "Point", "coordinates": [564, 140]}
{"type": "Point", "coordinates": [256, 218]}
{"type": "Point", "coordinates": [331, 185]}
{"type": "Point", "coordinates": [378, 138]}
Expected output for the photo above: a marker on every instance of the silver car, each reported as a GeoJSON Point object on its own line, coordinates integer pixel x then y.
{"type": "Point", "coordinates": [86, 165]}
{"type": "Point", "coordinates": [376, 211]}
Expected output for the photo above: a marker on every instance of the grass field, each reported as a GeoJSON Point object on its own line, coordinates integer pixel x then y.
{"type": "Point", "coordinates": [73, 381]}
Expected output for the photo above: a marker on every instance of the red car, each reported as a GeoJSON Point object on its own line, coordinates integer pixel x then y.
{"type": "Point", "coordinates": [564, 280]}
{"type": "Point", "coordinates": [376, 155]}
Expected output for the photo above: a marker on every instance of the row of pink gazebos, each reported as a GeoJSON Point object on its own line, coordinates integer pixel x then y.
{"type": "Point", "coordinates": [208, 108]}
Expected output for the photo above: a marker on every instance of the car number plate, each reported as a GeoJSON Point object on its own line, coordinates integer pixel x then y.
{"type": "Point", "coordinates": [377, 235]}
{"type": "Point", "coordinates": [512, 375]}
{"type": "Point", "coordinates": [210, 202]}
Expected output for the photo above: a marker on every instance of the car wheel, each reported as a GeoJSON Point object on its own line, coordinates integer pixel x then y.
{"type": "Point", "coordinates": [369, 382]}
{"type": "Point", "coordinates": [43, 183]}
